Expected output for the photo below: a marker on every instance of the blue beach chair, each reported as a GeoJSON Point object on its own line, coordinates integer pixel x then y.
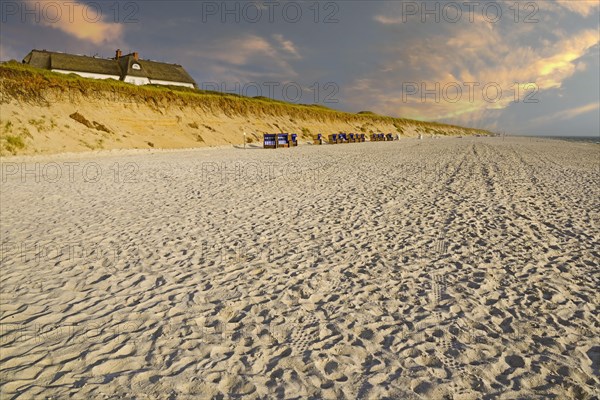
{"type": "Point", "coordinates": [270, 141]}
{"type": "Point", "coordinates": [283, 140]}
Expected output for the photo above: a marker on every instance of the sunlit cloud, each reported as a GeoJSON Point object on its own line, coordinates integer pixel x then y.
{"type": "Point", "coordinates": [557, 67]}
{"type": "Point", "coordinates": [85, 25]}
{"type": "Point", "coordinates": [247, 59]}
{"type": "Point", "coordinates": [385, 20]}
{"type": "Point", "coordinates": [287, 45]}
{"type": "Point", "coordinates": [240, 51]}
{"type": "Point", "coordinates": [567, 114]}
{"type": "Point", "coordinates": [584, 8]}
{"type": "Point", "coordinates": [476, 52]}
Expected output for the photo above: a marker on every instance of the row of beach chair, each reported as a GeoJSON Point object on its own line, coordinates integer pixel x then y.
{"type": "Point", "coordinates": [345, 138]}
{"type": "Point", "coordinates": [276, 140]}
{"type": "Point", "coordinates": [355, 138]}
{"type": "Point", "coordinates": [382, 137]}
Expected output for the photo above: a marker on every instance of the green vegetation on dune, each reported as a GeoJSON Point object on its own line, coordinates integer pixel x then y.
{"type": "Point", "coordinates": [31, 85]}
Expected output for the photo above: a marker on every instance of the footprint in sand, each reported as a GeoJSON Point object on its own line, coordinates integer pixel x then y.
{"type": "Point", "coordinates": [160, 281]}
{"type": "Point", "coordinates": [299, 333]}
{"type": "Point", "coordinates": [304, 334]}
{"type": "Point", "coordinates": [451, 349]}
{"type": "Point", "coordinates": [329, 283]}
{"type": "Point", "coordinates": [438, 288]}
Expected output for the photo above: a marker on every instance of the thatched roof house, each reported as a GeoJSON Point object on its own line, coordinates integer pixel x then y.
{"type": "Point", "coordinates": [128, 68]}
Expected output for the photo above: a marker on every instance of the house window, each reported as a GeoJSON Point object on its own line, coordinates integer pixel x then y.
{"type": "Point", "coordinates": [136, 66]}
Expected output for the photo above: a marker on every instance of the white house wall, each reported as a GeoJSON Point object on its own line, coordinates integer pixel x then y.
{"type": "Point", "coordinates": [157, 82]}
{"type": "Point", "coordinates": [137, 80]}
{"type": "Point", "coordinates": [87, 74]}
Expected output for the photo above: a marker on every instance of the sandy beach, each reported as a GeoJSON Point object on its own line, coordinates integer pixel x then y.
{"type": "Point", "coordinates": [437, 269]}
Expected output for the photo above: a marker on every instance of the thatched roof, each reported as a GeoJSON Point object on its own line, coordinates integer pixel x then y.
{"type": "Point", "coordinates": [121, 67]}
{"type": "Point", "coordinates": [154, 70]}
{"type": "Point", "coordinates": [38, 59]}
{"type": "Point", "coordinates": [70, 62]}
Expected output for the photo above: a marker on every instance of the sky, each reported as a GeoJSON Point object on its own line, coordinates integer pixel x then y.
{"type": "Point", "coordinates": [520, 67]}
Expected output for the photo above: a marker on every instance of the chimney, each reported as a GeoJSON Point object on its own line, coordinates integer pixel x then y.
{"type": "Point", "coordinates": [136, 55]}
{"type": "Point", "coordinates": [118, 54]}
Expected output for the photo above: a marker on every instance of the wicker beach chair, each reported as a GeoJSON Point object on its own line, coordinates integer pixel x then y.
{"type": "Point", "coordinates": [270, 141]}
{"type": "Point", "coordinates": [283, 140]}
{"type": "Point", "coordinates": [333, 139]}
{"type": "Point", "coordinates": [318, 139]}
{"type": "Point", "coordinates": [294, 139]}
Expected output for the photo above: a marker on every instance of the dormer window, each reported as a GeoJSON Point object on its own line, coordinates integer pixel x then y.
{"type": "Point", "coordinates": [136, 66]}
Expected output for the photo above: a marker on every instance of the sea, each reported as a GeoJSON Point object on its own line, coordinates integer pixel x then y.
{"type": "Point", "coordinates": [588, 139]}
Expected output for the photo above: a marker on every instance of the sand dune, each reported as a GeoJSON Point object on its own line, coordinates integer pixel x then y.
{"type": "Point", "coordinates": [444, 268]}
